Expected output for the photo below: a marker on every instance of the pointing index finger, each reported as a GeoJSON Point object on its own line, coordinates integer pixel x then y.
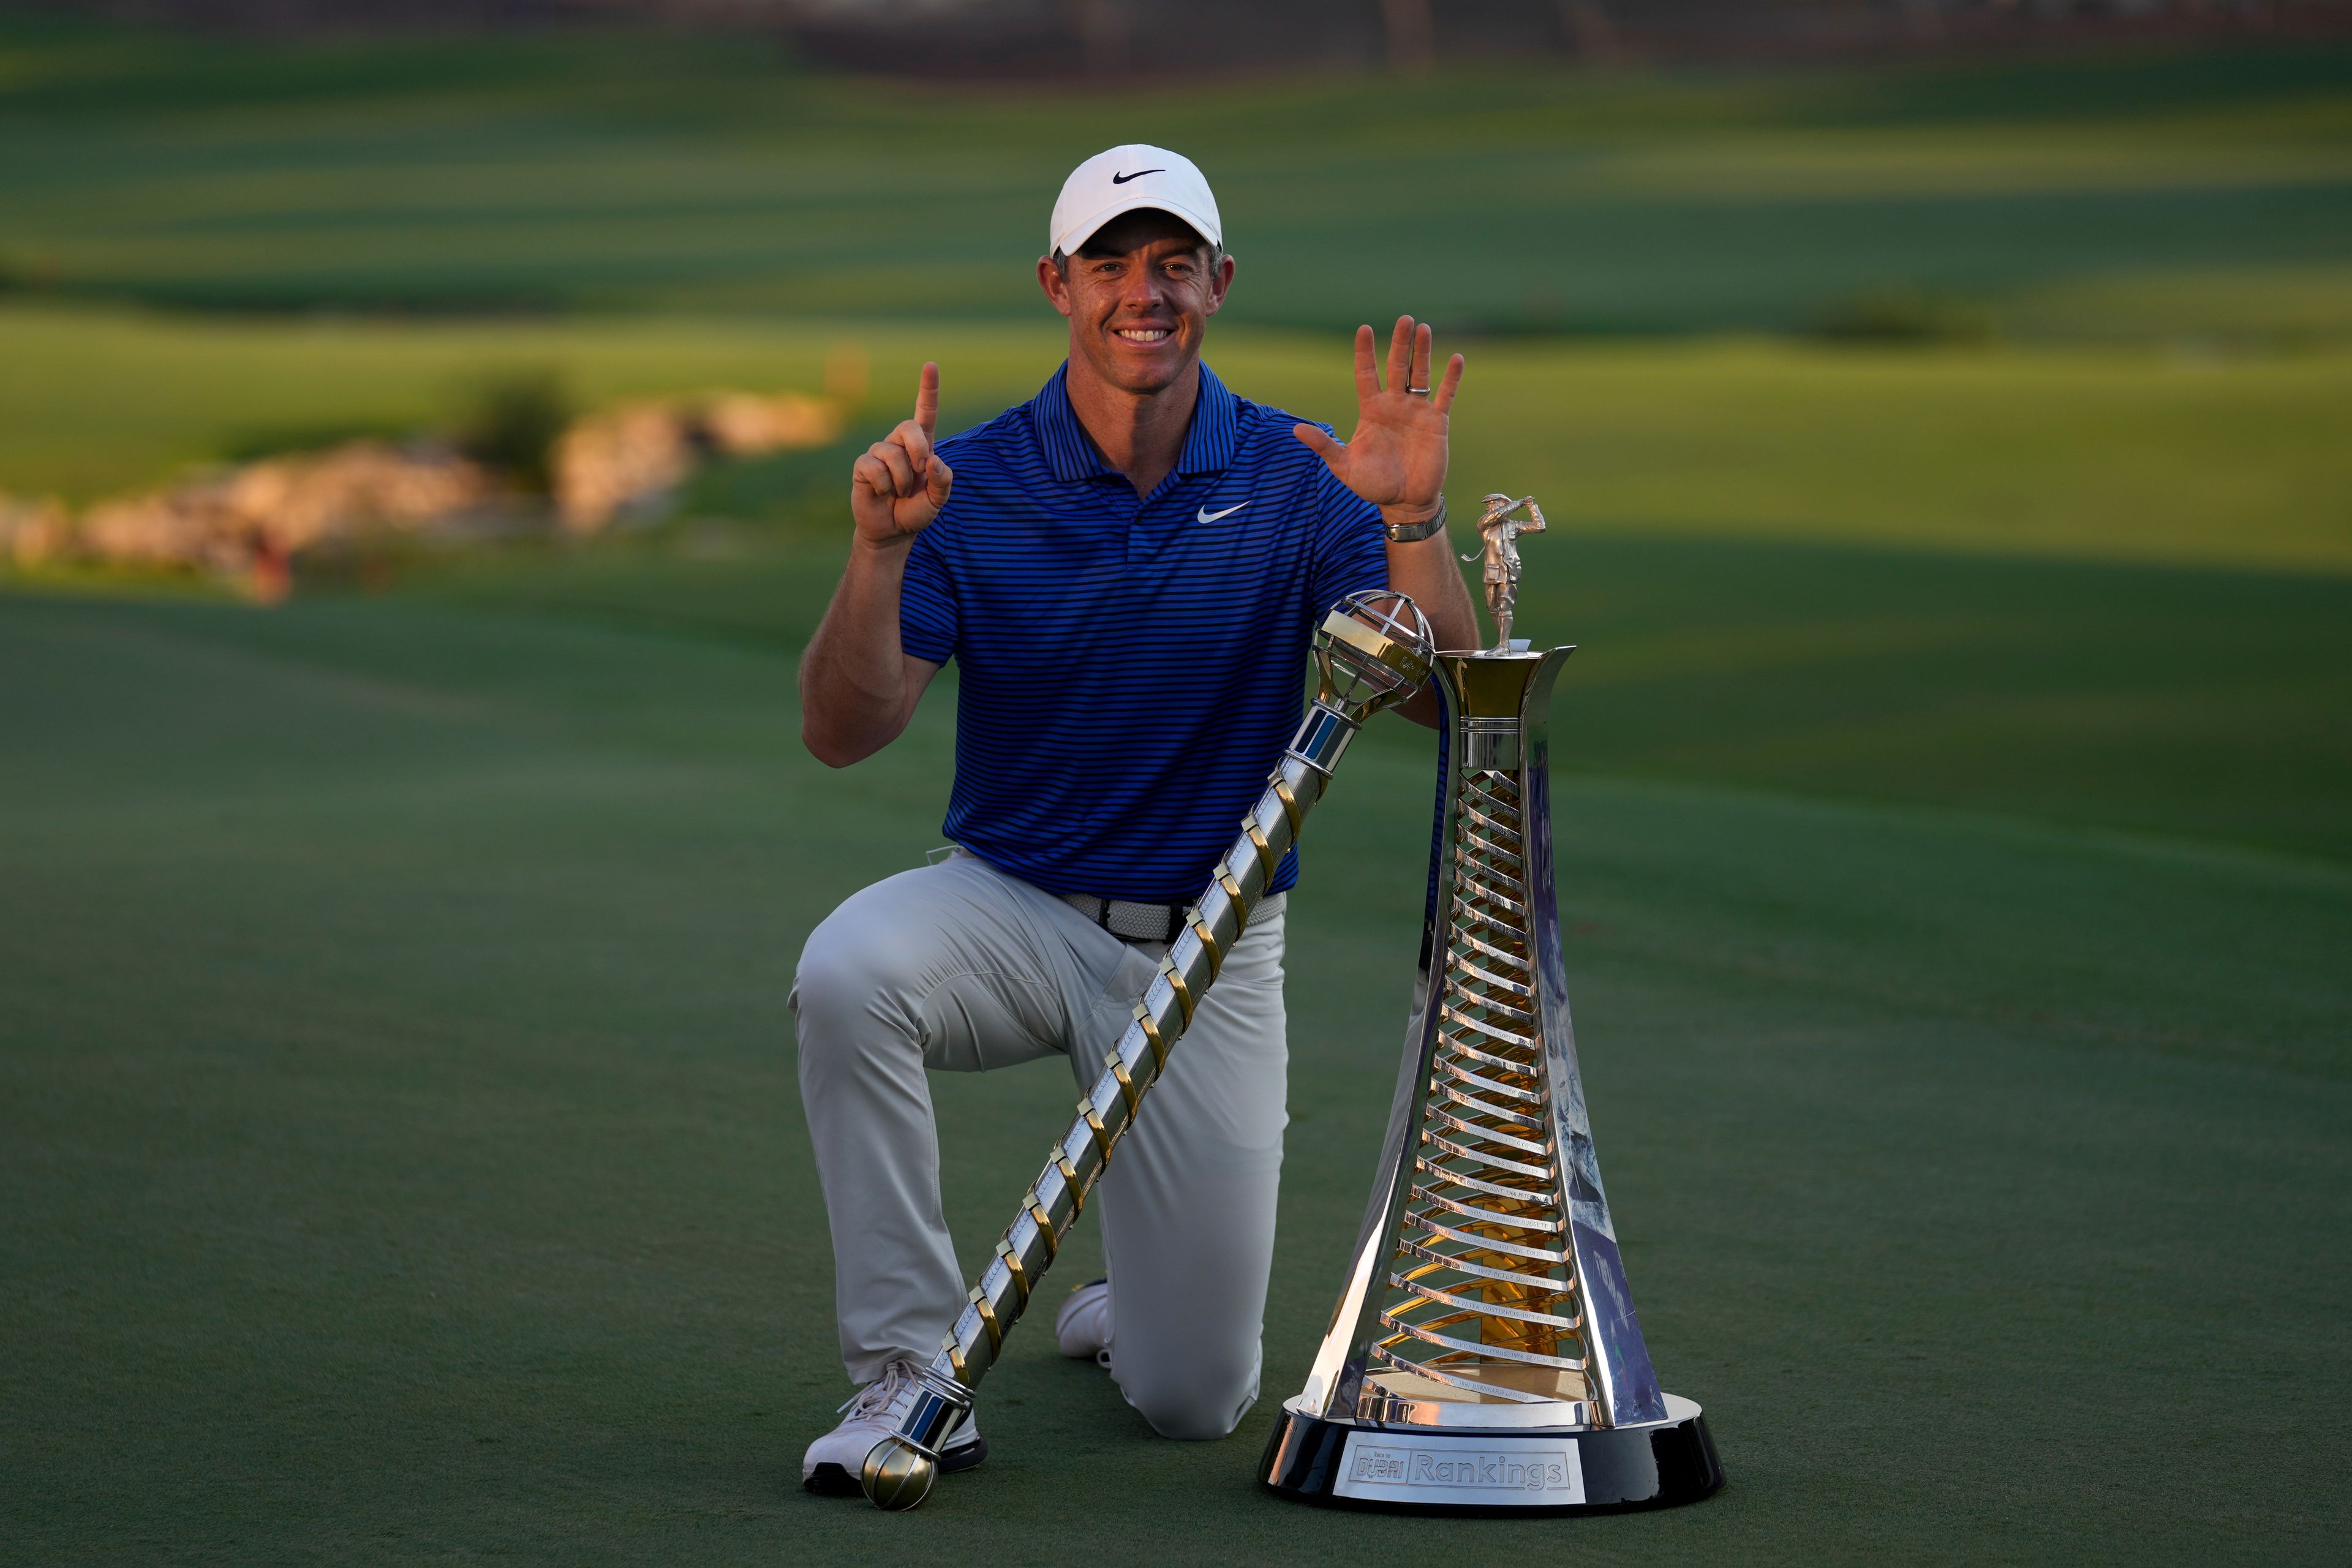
{"type": "Point", "coordinates": [927, 399]}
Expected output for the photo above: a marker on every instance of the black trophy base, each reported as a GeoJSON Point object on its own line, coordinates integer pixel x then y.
{"type": "Point", "coordinates": [1427, 1469]}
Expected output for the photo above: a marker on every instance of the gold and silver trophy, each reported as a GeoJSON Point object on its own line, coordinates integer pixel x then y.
{"type": "Point", "coordinates": [1372, 651]}
{"type": "Point", "coordinates": [1485, 1355]}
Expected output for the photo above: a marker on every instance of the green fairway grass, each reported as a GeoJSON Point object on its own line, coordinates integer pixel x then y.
{"type": "Point", "coordinates": [95, 402]}
{"type": "Point", "coordinates": [628, 171]}
{"type": "Point", "coordinates": [2198, 705]}
{"type": "Point", "coordinates": [403, 1157]}
{"type": "Point", "coordinates": [2113, 452]}
{"type": "Point", "coordinates": [400, 1153]}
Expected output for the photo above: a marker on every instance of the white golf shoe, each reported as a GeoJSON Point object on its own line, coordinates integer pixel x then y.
{"type": "Point", "coordinates": [834, 1462]}
{"type": "Point", "coordinates": [1083, 1326]}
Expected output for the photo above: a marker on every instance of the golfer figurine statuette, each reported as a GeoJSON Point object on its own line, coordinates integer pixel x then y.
{"type": "Point", "coordinates": [1372, 652]}
{"type": "Point", "coordinates": [1484, 1353]}
{"type": "Point", "coordinates": [1498, 533]}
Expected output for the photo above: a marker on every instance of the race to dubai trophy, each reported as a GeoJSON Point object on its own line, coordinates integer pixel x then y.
{"type": "Point", "coordinates": [1484, 1355]}
{"type": "Point", "coordinates": [1372, 652]}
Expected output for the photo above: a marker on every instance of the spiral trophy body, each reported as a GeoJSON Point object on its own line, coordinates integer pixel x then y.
{"type": "Point", "coordinates": [1484, 1352]}
{"type": "Point", "coordinates": [1372, 652]}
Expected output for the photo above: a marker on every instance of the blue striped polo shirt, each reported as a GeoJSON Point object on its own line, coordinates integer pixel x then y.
{"type": "Point", "coordinates": [1130, 670]}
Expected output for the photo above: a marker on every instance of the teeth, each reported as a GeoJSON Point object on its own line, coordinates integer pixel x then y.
{"type": "Point", "coordinates": [1143, 334]}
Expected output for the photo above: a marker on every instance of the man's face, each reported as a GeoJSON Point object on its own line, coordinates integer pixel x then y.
{"type": "Point", "coordinates": [1139, 295]}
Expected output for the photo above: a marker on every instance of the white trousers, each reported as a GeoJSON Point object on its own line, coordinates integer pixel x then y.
{"type": "Point", "coordinates": [960, 968]}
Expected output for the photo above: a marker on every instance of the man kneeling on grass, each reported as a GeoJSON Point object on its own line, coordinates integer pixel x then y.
{"type": "Point", "coordinates": [1128, 569]}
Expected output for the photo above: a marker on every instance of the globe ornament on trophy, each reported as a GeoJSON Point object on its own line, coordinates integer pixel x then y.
{"type": "Point", "coordinates": [1372, 652]}
{"type": "Point", "coordinates": [1485, 1355]}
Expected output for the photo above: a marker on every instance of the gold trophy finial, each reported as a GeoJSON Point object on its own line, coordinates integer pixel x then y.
{"type": "Point", "coordinates": [1500, 530]}
{"type": "Point", "coordinates": [897, 1475]}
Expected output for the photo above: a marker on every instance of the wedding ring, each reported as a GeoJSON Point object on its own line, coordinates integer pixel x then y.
{"type": "Point", "coordinates": [1420, 391]}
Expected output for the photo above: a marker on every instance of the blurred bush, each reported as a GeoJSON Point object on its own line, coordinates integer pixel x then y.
{"type": "Point", "coordinates": [1907, 316]}
{"type": "Point", "coordinates": [512, 424]}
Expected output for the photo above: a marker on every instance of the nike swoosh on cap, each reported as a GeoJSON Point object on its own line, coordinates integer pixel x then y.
{"type": "Point", "coordinates": [1205, 515]}
{"type": "Point", "coordinates": [1122, 179]}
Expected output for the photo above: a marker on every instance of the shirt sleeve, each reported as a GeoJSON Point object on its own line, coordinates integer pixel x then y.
{"type": "Point", "coordinates": [1351, 552]}
{"type": "Point", "coordinates": [928, 621]}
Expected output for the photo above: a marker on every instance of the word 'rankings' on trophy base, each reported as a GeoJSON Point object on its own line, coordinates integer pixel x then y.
{"type": "Point", "coordinates": [1484, 1353]}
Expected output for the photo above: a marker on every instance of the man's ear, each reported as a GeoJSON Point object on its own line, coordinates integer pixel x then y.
{"type": "Point", "coordinates": [1057, 286]}
{"type": "Point", "coordinates": [1219, 282]}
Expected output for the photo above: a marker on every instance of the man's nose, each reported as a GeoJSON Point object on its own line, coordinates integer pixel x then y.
{"type": "Point", "coordinates": [1144, 289]}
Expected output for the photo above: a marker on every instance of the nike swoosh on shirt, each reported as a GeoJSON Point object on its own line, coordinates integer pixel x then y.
{"type": "Point", "coordinates": [1205, 515]}
{"type": "Point", "coordinates": [1122, 179]}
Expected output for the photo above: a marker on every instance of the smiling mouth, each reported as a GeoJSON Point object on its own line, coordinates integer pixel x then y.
{"type": "Point", "coordinates": [1145, 334]}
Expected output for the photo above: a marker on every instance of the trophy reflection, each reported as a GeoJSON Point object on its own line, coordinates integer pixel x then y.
{"type": "Point", "coordinates": [1484, 1353]}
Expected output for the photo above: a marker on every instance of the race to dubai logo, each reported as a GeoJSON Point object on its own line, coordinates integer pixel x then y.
{"type": "Point", "coordinates": [1501, 1469]}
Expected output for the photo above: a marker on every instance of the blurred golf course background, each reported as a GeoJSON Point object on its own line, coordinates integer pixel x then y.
{"type": "Point", "coordinates": [1952, 501]}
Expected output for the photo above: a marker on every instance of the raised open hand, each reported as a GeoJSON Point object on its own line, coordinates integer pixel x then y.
{"type": "Point", "coordinates": [1397, 455]}
{"type": "Point", "coordinates": [899, 485]}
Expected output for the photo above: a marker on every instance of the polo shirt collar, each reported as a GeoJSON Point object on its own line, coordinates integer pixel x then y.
{"type": "Point", "coordinates": [1071, 453]}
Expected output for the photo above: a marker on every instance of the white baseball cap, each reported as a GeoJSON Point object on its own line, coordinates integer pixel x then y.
{"type": "Point", "coordinates": [1127, 179]}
